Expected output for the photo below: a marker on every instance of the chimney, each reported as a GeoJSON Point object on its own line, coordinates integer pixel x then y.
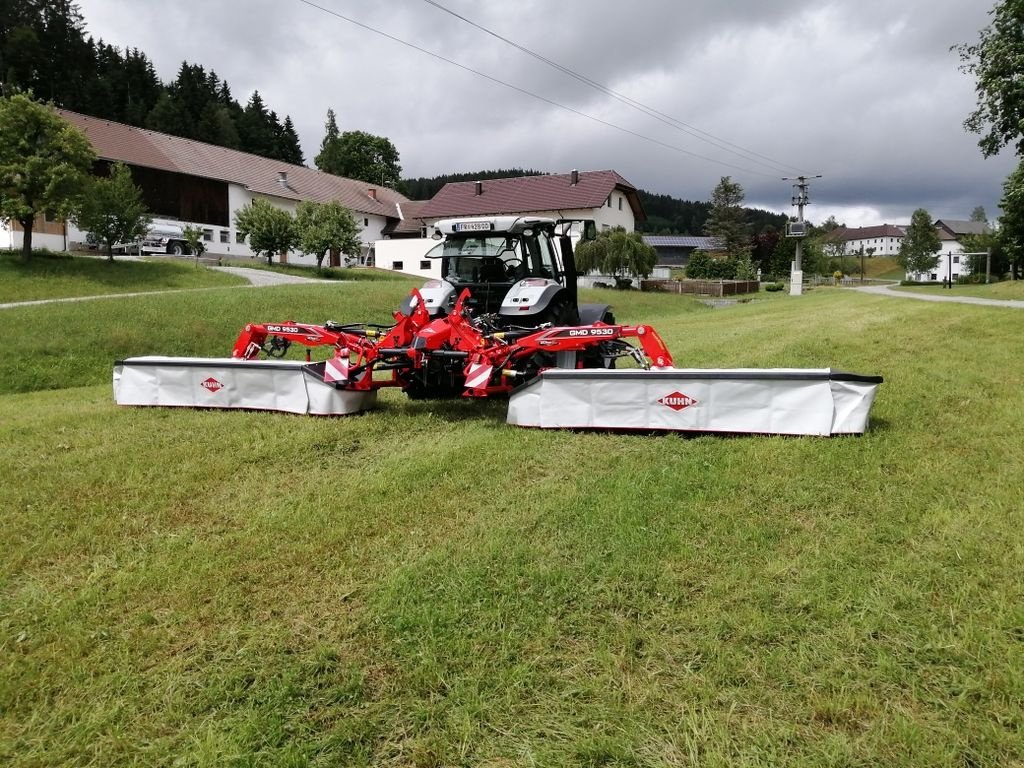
{"type": "Point", "coordinates": [372, 192]}
{"type": "Point", "coordinates": [282, 178]}
{"type": "Point", "coordinates": [479, 187]}
{"type": "Point", "coordinates": [575, 177]}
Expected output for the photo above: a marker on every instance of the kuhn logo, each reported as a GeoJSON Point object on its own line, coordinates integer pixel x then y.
{"type": "Point", "coordinates": [211, 385]}
{"type": "Point", "coordinates": [677, 401]}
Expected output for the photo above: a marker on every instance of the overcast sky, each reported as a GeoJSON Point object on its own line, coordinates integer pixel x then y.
{"type": "Point", "coordinates": [865, 92]}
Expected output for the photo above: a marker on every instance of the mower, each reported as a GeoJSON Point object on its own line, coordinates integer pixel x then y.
{"type": "Point", "coordinates": [553, 375]}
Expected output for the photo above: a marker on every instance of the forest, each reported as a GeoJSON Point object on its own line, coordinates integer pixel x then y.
{"type": "Point", "coordinates": [44, 49]}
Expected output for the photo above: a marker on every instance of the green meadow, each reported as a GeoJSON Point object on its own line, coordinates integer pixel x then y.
{"type": "Point", "coordinates": [424, 585]}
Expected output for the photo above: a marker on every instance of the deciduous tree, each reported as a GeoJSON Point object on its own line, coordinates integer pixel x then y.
{"type": "Point", "coordinates": [358, 155]}
{"type": "Point", "coordinates": [1011, 230]}
{"type": "Point", "coordinates": [920, 247]}
{"type": "Point", "coordinates": [618, 253]}
{"type": "Point", "coordinates": [995, 61]}
{"type": "Point", "coordinates": [326, 226]}
{"type": "Point", "coordinates": [44, 164]}
{"type": "Point", "coordinates": [112, 209]}
{"type": "Point", "coordinates": [270, 230]}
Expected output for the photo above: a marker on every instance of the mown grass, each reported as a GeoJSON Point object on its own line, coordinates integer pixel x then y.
{"type": "Point", "coordinates": [1007, 289]}
{"type": "Point", "coordinates": [58, 275]}
{"type": "Point", "coordinates": [425, 585]}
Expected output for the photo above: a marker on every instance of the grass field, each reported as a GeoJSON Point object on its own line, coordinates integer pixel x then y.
{"type": "Point", "coordinates": [1008, 289]}
{"type": "Point", "coordinates": [427, 586]}
{"type": "Point", "coordinates": [54, 276]}
{"type": "Point", "coordinates": [327, 273]}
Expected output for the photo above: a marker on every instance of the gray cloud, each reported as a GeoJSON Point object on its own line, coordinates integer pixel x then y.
{"type": "Point", "coordinates": [866, 93]}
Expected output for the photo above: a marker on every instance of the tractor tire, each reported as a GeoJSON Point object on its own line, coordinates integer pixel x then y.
{"type": "Point", "coordinates": [561, 312]}
{"type": "Point", "coordinates": [176, 248]}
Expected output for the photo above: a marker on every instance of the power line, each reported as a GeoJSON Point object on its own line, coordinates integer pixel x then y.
{"type": "Point", "coordinates": [668, 120]}
{"type": "Point", "coordinates": [546, 100]}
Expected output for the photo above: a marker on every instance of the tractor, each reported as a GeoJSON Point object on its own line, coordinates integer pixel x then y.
{"type": "Point", "coordinates": [520, 271]}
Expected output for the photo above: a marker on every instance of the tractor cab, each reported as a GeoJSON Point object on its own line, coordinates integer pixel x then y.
{"type": "Point", "coordinates": [519, 268]}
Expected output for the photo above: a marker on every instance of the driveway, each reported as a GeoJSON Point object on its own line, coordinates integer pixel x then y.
{"type": "Point", "coordinates": [261, 277]}
{"type": "Point", "coordinates": [887, 290]}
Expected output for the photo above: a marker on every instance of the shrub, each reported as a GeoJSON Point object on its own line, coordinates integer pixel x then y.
{"type": "Point", "coordinates": [774, 287]}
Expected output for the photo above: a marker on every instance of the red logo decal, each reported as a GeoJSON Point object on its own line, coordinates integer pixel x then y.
{"type": "Point", "coordinates": [211, 385]}
{"type": "Point", "coordinates": [677, 401]}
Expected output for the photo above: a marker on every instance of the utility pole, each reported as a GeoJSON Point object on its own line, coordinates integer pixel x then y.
{"type": "Point", "coordinates": [798, 229]}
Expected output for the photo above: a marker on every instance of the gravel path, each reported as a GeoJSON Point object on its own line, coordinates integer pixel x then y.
{"type": "Point", "coordinates": [885, 290]}
{"type": "Point", "coordinates": [262, 277]}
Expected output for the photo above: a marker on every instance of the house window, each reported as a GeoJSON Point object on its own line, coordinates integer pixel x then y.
{"type": "Point", "coordinates": [396, 265]}
{"type": "Point", "coordinates": [934, 276]}
{"type": "Point", "coordinates": [239, 238]}
{"type": "Point", "coordinates": [609, 201]}
{"type": "Point", "coordinates": [225, 236]}
{"type": "Point", "coordinates": [425, 264]}
{"type": "Point", "coordinates": [208, 235]}
{"type": "Point", "coordinates": [366, 222]}
{"type": "Point", "coordinates": [620, 203]}
{"type": "Point", "coordinates": [956, 259]}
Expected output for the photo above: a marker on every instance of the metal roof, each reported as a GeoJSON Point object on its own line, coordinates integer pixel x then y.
{"type": "Point", "coordinates": [681, 241]}
{"type": "Point", "coordinates": [118, 142]}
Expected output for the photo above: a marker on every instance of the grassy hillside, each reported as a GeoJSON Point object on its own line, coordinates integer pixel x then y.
{"type": "Point", "coordinates": [425, 585]}
{"type": "Point", "coordinates": [59, 275]}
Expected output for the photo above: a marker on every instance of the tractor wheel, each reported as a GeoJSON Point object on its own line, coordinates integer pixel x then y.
{"type": "Point", "coordinates": [561, 312]}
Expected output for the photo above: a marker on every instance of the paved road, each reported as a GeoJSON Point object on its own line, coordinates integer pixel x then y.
{"type": "Point", "coordinates": [258, 278]}
{"type": "Point", "coordinates": [886, 290]}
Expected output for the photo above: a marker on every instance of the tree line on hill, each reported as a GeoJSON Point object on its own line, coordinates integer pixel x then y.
{"type": "Point", "coordinates": [44, 49]}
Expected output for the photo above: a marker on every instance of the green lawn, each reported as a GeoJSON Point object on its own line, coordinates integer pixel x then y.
{"type": "Point", "coordinates": [55, 276]}
{"type": "Point", "coordinates": [327, 273]}
{"type": "Point", "coordinates": [425, 585]}
{"type": "Point", "coordinates": [1008, 289]}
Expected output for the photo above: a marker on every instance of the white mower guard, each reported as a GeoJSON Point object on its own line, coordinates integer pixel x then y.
{"type": "Point", "coordinates": [266, 385]}
{"type": "Point", "coordinates": [783, 401]}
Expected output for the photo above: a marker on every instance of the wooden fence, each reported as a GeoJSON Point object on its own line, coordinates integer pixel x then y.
{"type": "Point", "coordinates": [715, 288]}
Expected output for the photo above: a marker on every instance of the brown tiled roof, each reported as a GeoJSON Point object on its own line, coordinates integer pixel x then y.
{"type": "Point", "coordinates": [411, 222]}
{"type": "Point", "coordinates": [552, 192]}
{"type": "Point", "coordinates": [149, 149]}
{"type": "Point", "coordinates": [864, 233]}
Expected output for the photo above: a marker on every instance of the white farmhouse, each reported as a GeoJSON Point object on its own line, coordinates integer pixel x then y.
{"type": "Point", "coordinates": [603, 196]}
{"type": "Point", "coordinates": [204, 185]}
{"type": "Point", "coordinates": [953, 262]}
{"type": "Point", "coordinates": [880, 240]}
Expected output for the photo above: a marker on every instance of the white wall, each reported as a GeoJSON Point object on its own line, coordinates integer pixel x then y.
{"type": "Point", "coordinates": [12, 240]}
{"type": "Point", "coordinates": [884, 246]}
{"type": "Point", "coordinates": [951, 262]}
{"type": "Point", "coordinates": [406, 256]}
{"type": "Point", "coordinates": [604, 217]}
{"type": "Point", "coordinates": [224, 241]}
